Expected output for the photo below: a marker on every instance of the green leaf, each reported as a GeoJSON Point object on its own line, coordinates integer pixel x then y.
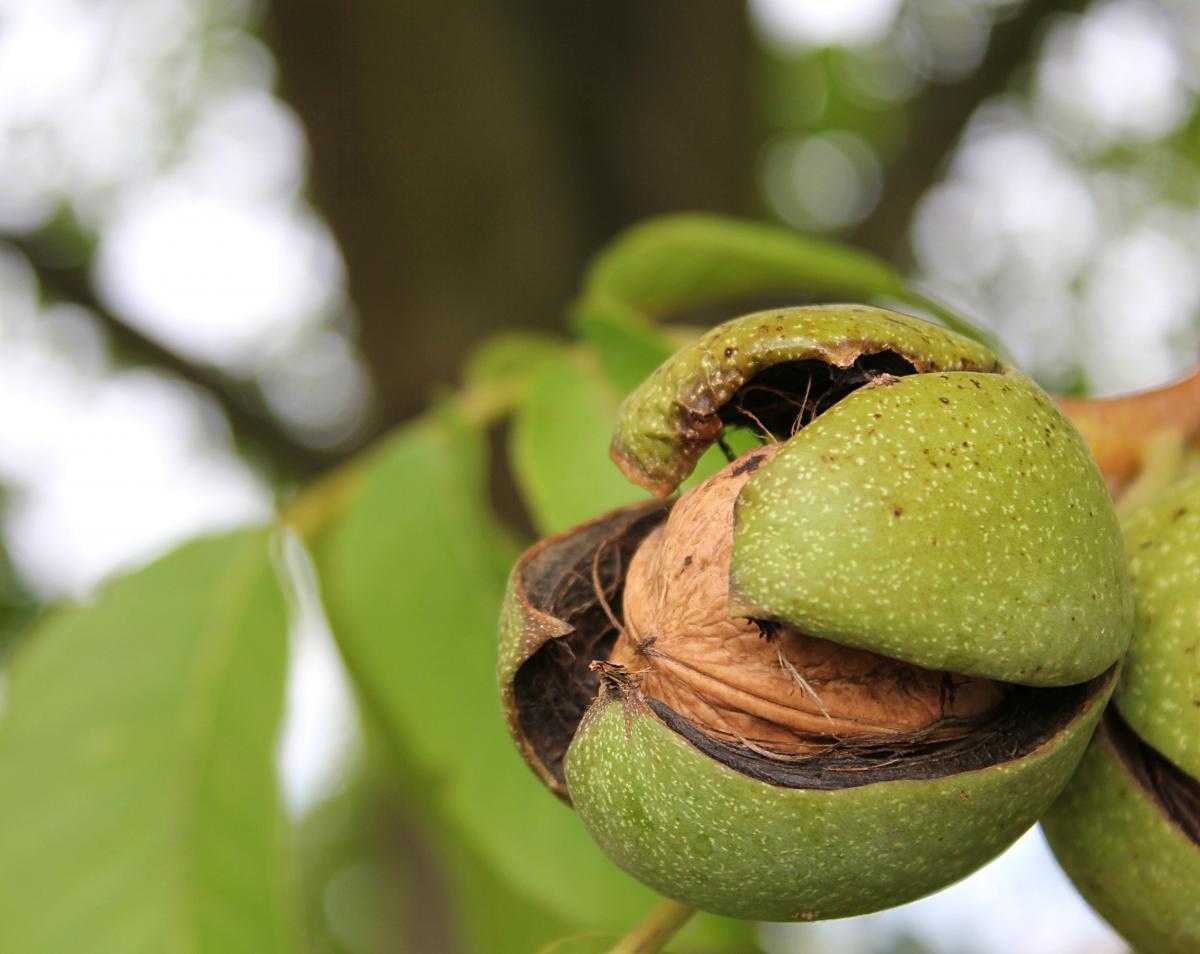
{"type": "Point", "coordinates": [355, 874]}
{"type": "Point", "coordinates": [592, 942]}
{"type": "Point", "coordinates": [491, 913]}
{"type": "Point", "coordinates": [19, 608]}
{"type": "Point", "coordinates": [679, 262]}
{"type": "Point", "coordinates": [509, 358]}
{"type": "Point", "coordinates": [413, 578]}
{"type": "Point", "coordinates": [137, 788]}
{"type": "Point", "coordinates": [628, 346]}
{"type": "Point", "coordinates": [377, 878]}
{"type": "Point", "coordinates": [559, 446]}
{"type": "Point", "coordinates": [741, 941]}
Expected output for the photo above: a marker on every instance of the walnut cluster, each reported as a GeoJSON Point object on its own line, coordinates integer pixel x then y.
{"type": "Point", "coordinates": [765, 685]}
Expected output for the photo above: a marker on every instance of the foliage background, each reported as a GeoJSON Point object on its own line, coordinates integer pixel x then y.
{"type": "Point", "coordinates": [241, 243]}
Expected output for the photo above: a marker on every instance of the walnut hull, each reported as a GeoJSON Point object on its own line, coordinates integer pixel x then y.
{"type": "Point", "coordinates": [848, 669]}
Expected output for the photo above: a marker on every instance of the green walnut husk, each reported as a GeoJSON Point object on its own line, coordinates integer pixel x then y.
{"type": "Point", "coordinates": [907, 527]}
{"type": "Point", "coordinates": [1127, 828]}
{"type": "Point", "coordinates": [693, 828]}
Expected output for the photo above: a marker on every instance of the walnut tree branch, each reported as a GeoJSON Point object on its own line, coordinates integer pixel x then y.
{"type": "Point", "coordinates": [254, 430]}
{"type": "Point", "coordinates": [941, 114]}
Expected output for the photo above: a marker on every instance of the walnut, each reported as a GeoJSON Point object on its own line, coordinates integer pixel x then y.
{"type": "Point", "coordinates": [857, 663]}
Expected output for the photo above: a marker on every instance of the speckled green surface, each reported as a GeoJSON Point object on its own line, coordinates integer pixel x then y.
{"type": "Point", "coordinates": [522, 631]}
{"type": "Point", "coordinates": [951, 520]}
{"type": "Point", "coordinates": [664, 426]}
{"type": "Point", "coordinates": [702, 833]}
{"type": "Point", "coordinates": [1159, 695]}
{"type": "Point", "coordinates": [1138, 870]}
{"type": "Point", "coordinates": [511, 648]}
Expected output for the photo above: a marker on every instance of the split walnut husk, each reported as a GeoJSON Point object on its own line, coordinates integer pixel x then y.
{"type": "Point", "coordinates": [1127, 828]}
{"type": "Point", "coordinates": [848, 669]}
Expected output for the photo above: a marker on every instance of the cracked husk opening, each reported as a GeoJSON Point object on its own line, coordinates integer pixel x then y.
{"type": "Point", "coordinates": [766, 686]}
{"type": "Point", "coordinates": [1176, 793]}
{"type": "Point", "coordinates": [779, 400]}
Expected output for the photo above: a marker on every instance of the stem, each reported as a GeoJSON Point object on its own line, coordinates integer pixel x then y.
{"type": "Point", "coordinates": [1119, 430]}
{"type": "Point", "coordinates": [655, 929]}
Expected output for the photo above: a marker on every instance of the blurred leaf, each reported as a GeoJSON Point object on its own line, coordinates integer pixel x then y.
{"type": "Point", "coordinates": [709, 934]}
{"type": "Point", "coordinates": [18, 607]}
{"type": "Point", "coordinates": [138, 790]}
{"type": "Point", "coordinates": [1075, 384]}
{"type": "Point", "coordinates": [375, 880]}
{"type": "Point", "coordinates": [491, 914]}
{"type": "Point", "coordinates": [590, 943]}
{"type": "Point", "coordinates": [560, 438]}
{"type": "Point", "coordinates": [559, 445]}
{"type": "Point", "coordinates": [338, 842]}
{"type": "Point", "coordinates": [509, 358]}
{"type": "Point", "coordinates": [593, 942]}
{"type": "Point", "coordinates": [683, 261]}
{"type": "Point", "coordinates": [413, 578]}
{"type": "Point", "coordinates": [628, 346]}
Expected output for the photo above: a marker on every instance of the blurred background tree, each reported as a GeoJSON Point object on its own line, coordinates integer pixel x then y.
{"type": "Point", "coordinates": [239, 240]}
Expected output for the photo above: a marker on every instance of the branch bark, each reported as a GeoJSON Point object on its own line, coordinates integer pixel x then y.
{"type": "Point", "coordinates": [255, 431]}
{"type": "Point", "coordinates": [471, 154]}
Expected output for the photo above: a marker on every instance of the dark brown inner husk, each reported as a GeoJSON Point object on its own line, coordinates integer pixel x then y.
{"type": "Point", "coordinates": [1026, 719]}
{"type": "Point", "coordinates": [556, 684]}
{"type": "Point", "coordinates": [781, 399]}
{"type": "Point", "coordinates": [580, 579]}
{"type": "Point", "coordinates": [1175, 792]}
